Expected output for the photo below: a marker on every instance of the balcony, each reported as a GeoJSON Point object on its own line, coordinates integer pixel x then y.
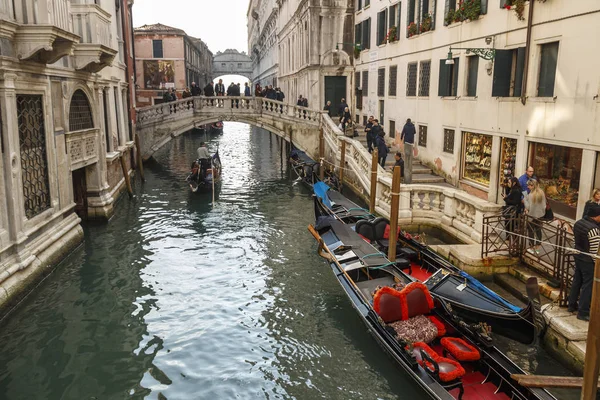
{"type": "Point", "coordinates": [92, 24]}
{"type": "Point", "coordinates": [44, 31]}
{"type": "Point", "coordinates": [82, 147]}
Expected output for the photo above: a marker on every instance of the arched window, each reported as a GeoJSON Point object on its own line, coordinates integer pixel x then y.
{"type": "Point", "coordinates": [80, 112]}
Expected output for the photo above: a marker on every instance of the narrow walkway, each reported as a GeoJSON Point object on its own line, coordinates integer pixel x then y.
{"type": "Point", "coordinates": [421, 172]}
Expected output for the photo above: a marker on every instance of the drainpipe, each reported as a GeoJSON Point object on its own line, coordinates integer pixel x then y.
{"type": "Point", "coordinates": [527, 54]}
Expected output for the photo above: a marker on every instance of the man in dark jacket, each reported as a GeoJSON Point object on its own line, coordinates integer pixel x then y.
{"type": "Point", "coordinates": [370, 135]}
{"type": "Point", "coordinates": [342, 106]}
{"type": "Point", "coordinates": [220, 91]}
{"type": "Point", "coordinates": [587, 240]}
{"type": "Point", "coordinates": [279, 97]}
{"type": "Point", "coordinates": [408, 137]}
{"type": "Point", "coordinates": [209, 91]}
{"type": "Point", "coordinates": [196, 91]}
{"type": "Point", "coordinates": [328, 108]}
{"type": "Point", "coordinates": [399, 163]}
{"type": "Point", "coordinates": [270, 93]}
{"type": "Point", "coordinates": [382, 150]}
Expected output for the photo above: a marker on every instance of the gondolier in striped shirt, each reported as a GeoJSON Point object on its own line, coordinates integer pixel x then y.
{"type": "Point", "coordinates": [587, 240]}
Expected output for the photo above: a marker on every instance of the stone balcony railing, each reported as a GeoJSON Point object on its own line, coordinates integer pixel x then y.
{"type": "Point", "coordinates": [82, 147]}
{"type": "Point", "coordinates": [447, 208]}
{"type": "Point", "coordinates": [92, 24]}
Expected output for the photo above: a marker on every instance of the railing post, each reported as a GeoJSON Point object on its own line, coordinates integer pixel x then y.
{"type": "Point", "coordinates": [592, 352]}
{"type": "Point", "coordinates": [394, 214]}
{"type": "Point", "coordinates": [322, 155]}
{"type": "Point", "coordinates": [374, 165]}
{"type": "Point", "coordinates": [342, 163]}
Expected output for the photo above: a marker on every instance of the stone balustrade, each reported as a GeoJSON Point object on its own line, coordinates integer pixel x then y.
{"type": "Point", "coordinates": [82, 147]}
{"type": "Point", "coordinates": [448, 208]}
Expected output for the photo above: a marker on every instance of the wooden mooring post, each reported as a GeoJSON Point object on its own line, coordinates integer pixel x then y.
{"type": "Point", "coordinates": [374, 165]}
{"type": "Point", "coordinates": [138, 151]}
{"type": "Point", "coordinates": [342, 164]}
{"type": "Point", "coordinates": [321, 155]}
{"type": "Point", "coordinates": [592, 349]}
{"type": "Point", "coordinates": [394, 214]}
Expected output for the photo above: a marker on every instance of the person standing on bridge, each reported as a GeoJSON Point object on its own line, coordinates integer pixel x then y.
{"type": "Point", "coordinates": [280, 96]}
{"type": "Point", "coordinates": [408, 138]}
{"type": "Point", "coordinates": [220, 91]}
{"type": "Point", "coordinates": [342, 107]}
{"type": "Point", "coordinates": [196, 91]}
{"type": "Point", "coordinates": [328, 108]}
{"type": "Point", "coordinates": [247, 94]}
{"type": "Point", "coordinates": [209, 91]}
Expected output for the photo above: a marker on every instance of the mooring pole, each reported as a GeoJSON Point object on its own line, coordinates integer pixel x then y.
{"type": "Point", "coordinates": [126, 175]}
{"type": "Point", "coordinates": [140, 164]}
{"type": "Point", "coordinates": [322, 155]}
{"type": "Point", "coordinates": [291, 141]}
{"type": "Point", "coordinates": [374, 165]}
{"type": "Point", "coordinates": [592, 349]}
{"type": "Point", "coordinates": [342, 163]}
{"type": "Point", "coordinates": [394, 214]}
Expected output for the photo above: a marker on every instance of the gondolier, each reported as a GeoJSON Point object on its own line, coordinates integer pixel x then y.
{"type": "Point", "coordinates": [408, 137]}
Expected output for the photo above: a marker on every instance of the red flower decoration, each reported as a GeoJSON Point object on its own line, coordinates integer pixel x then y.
{"type": "Point", "coordinates": [507, 6]}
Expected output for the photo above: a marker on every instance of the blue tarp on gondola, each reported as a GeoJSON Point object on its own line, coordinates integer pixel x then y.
{"type": "Point", "coordinates": [321, 189]}
{"type": "Point", "coordinates": [488, 292]}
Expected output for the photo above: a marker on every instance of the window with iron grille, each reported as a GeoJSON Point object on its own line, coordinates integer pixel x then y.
{"type": "Point", "coordinates": [393, 80]}
{"type": "Point", "coordinates": [365, 83]}
{"type": "Point", "coordinates": [357, 119]}
{"type": "Point", "coordinates": [34, 162]}
{"type": "Point", "coordinates": [357, 90]}
{"type": "Point", "coordinates": [392, 128]}
{"type": "Point", "coordinates": [411, 79]}
{"type": "Point", "coordinates": [381, 82]}
{"type": "Point", "coordinates": [80, 112]}
{"type": "Point", "coordinates": [157, 49]}
{"type": "Point", "coordinates": [422, 135]}
{"type": "Point", "coordinates": [425, 70]}
{"type": "Point", "coordinates": [547, 76]}
{"type": "Point", "coordinates": [449, 141]}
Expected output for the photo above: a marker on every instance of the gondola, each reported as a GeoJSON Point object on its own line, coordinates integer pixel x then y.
{"type": "Point", "coordinates": [446, 356]}
{"type": "Point", "coordinates": [307, 170]}
{"type": "Point", "coordinates": [469, 298]}
{"type": "Point", "coordinates": [216, 128]}
{"type": "Point", "coordinates": [203, 173]}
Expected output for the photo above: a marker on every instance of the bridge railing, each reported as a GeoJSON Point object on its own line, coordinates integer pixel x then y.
{"type": "Point", "coordinates": [450, 209]}
{"type": "Point", "coordinates": [218, 104]}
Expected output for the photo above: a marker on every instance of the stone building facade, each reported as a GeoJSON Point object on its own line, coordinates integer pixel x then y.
{"type": "Point", "coordinates": [232, 62]}
{"type": "Point", "coordinates": [65, 118]}
{"type": "Point", "coordinates": [262, 16]}
{"type": "Point", "coordinates": [513, 100]}
{"type": "Point", "coordinates": [313, 56]}
{"type": "Point", "coordinates": [167, 57]}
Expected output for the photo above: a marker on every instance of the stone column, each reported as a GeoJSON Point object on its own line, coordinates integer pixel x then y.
{"type": "Point", "coordinates": [13, 183]}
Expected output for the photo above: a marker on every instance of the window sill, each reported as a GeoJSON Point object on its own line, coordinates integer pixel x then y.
{"type": "Point", "coordinates": [391, 97]}
{"type": "Point", "coordinates": [474, 184]}
{"type": "Point", "coordinates": [380, 45]}
{"type": "Point", "coordinates": [542, 99]}
{"type": "Point", "coordinates": [469, 98]}
{"type": "Point", "coordinates": [509, 99]}
{"type": "Point", "coordinates": [423, 97]}
{"type": "Point", "coordinates": [449, 97]}
{"type": "Point", "coordinates": [112, 155]}
{"type": "Point", "coordinates": [366, 7]}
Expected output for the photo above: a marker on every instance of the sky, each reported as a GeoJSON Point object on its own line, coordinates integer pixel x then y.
{"type": "Point", "coordinates": [221, 24]}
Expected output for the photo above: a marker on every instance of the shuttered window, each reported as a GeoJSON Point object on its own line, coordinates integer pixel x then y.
{"type": "Point", "coordinates": [157, 49]}
{"type": "Point", "coordinates": [393, 80]}
{"type": "Point", "coordinates": [358, 34]}
{"type": "Point", "coordinates": [411, 79]}
{"type": "Point", "coordinates": [508, 72]}
{"type": "Point", "coordinates": [358, 92]}
{"type": "Point", "coordinates": [472, 69]}
{"type": "Point", "coordinates": [448, 81]}
{"type": "Point", "coordinates": [381, 82]}
{"type": "Point", "coordinates": [424, 78]}
{"type": "Point", "coordinates": [450, 6]}
{"type": "Point", "coordinates": [367, 2]}
{"type": "Point", "coordinates": [547, 76]}
{"type": "Point", "coordinates": [410, 15]}
{"type": "Point", "coordinates": [366, 34]}
{"type": "Point", "coordinates": [365, 83]}
{"type": "Point", "coordinates": [358, 4]}
{"type": "Point", "coordinates": [392, 131]}
{"type": "Point", "coordinates": [381, 27]}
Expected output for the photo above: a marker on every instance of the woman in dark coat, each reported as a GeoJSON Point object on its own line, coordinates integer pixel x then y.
{"type": "Point", "coordinates": [594, 200]}
{"type": "Point", "coordinates": [345, 118]}
{"type": "Point", "coordinates": [382, 150]}
{"type": "Point", "coordinates": [513, 202]}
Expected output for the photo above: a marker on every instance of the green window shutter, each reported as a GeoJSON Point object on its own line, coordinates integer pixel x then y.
{"type": "Point", "coordinates": [502, 72]}
{"type": "Point", "coordinates": [444, 79]}
{"type": "Point", "coordinates": [484, 6]}
{"type": "Point", "coordinates": [519, 72]}
{"type": "Point", "coordinates": [446, 9]}
{"type": "Point", "coordinates": [410, 15]}
{"type": "Point", "coordinates": [455, 77]}
{"type": "Point", "coordinates": [503, 3]}
{"type": "Point", "coordinates": [357, 33]}
{"type": "Point", "coordinates": [547, 75]}
{"type": "Point", "coordinates": [433, 14]}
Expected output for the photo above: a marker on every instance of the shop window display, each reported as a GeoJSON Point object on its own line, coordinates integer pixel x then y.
{"type": "Point", "coordinates": [508, 157]}
{"type": "Point", "coordinates": [558, 169]}
{"type": "Point", "coordinates": [477, 157]}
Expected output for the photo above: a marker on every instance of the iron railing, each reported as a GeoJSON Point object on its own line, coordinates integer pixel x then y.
{"type": "Point", "coordinates": [512, 234]}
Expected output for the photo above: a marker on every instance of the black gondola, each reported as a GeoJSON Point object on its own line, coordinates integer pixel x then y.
{"type": "Point", "coordinates": [216, 128]}
{"type": "Point", "coordinates": [203, 172]}
{"type": "Point", "coordinates": [448, 357]}
{"type": "Point", "coordinates": [307, 170]}
{"type": "Point", "coordinates": [469, 298]}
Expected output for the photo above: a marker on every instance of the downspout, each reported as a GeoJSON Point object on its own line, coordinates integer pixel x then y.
{"type": "Point", "coordinates": [527, 54]}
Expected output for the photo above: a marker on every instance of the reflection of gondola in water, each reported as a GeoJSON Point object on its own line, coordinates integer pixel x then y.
{"type": "Point", "coordinates": [203, 172]}
{"type": "Point", "coordinates": [216, 128]}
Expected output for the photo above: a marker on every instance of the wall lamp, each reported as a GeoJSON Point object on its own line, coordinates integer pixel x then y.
{"type": "Point", "coordinates": [485, 53]}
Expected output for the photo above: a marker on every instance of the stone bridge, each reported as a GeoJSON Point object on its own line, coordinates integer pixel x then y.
{"type": "Point", "coordinates": [156, 125]}
{"type": "Point", "coordinates": [447, 208]}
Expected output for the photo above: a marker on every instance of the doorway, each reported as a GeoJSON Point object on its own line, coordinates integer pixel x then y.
{"type": "Point", "coordinates": [335, 90]}
{"type": "Point", "coordinates": [80, 193]}
{"type": "Point", "coordinates": [381, 109]}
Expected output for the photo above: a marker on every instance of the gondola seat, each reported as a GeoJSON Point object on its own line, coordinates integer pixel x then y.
{"type": "Point", "coordinates": [460, 349]}
{"type": "Point", "coordinates": [448, 372]}
{"type": "Point", "coordinates": [406, 311]}
{"type": "Point", "coordinates": [373, 231]}
{"type": "Point", "coordinates": [408, 253]}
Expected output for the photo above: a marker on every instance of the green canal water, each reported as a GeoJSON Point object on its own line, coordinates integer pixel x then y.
{"type": "Point", "coordinates": [177, 298]}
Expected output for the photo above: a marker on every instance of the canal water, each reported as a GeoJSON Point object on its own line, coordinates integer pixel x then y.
{"type": "Point", "coordinates": [179, 298]}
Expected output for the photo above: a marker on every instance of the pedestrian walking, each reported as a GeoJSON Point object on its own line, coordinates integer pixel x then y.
{"type": "Point", "coordinates": [526, 177]}
{"type": "Point", "coordinates": [370, 135]}
{"type": "Point", "coordinates": [535, 207]}
{"type": "Point", "coordinates": [587, 240]}
{"type": "Point", "coordinates": [408, 138]}
{"type": "Point", "coordinates": [342, 107]}
{"type": "Point", "coordinates": [328, 108]}
{"type": "Point", "coordinates": [382, 150]}
{"type": "Point", "coordinates": [399, 163]}
{"type": "Point", "coordinates": [209, 91]}
{"type": "Point", "coordinates": [280, 96]}
{"type": "Point", "coordinates": [594, 200]}
{"type": "Point", "coordinates": [345, 119]}
{"type": "Point", "coordinates": [513, 204]}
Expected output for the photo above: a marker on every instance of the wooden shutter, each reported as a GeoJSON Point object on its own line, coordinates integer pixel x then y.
{"type": "Point", "coordinates": [520, 69]}
{"type": "Point", "coordinates": [502, 72]}
{"type": "Point", "coordinates": [455, 77]}
{"type": "Point", "coordinates": [433, 13]}
{"type": "Point", "coordinates": [365, 83]}
{"type": "Point", "coordinates": [444, 80]}
{"type": "Point", "coordinates": [392, 81]}
{"type": "Point", "coordinates": [410, 15]}
{"type": "Point", "coordinates": [484, 6]}
{"type": "Point", "coordinates": [357, 33]}
{"type": "Point", "coordinates": [547, 75]}
{"type": "Point", "coordinates": [446, 9]}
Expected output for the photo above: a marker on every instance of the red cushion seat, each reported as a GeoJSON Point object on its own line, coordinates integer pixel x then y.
{"type": "Point", "coordinates": [448, 370]}
{"type": "Point", "coordinates": [460, 349]}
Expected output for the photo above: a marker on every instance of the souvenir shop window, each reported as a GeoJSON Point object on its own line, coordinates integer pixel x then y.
{"type": "Point", "coordinates": [558, 170]}
{"type": "Point", "coordinates": [508, 157]}
{"type": "Point", "coordinates": [477, 153]}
